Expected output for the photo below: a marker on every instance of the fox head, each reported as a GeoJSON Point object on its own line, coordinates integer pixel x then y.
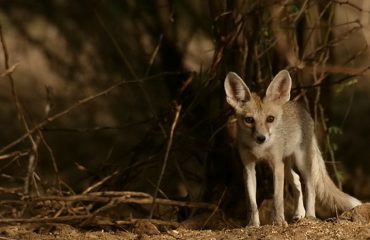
{"type": "Point", "coordinates": [258, 118]}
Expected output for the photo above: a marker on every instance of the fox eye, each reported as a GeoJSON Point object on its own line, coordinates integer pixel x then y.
{"type": "Point", "coordinates": [249, 120]}
{"type": "Point", "coordinates": [270, 119]}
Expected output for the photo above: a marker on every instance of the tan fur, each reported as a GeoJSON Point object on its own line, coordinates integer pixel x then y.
{"type": "Point", "coordinates": [281, 132]}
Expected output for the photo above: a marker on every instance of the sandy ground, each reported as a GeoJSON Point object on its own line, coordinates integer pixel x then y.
{"type": "Point", "coordinates": [354, 224]}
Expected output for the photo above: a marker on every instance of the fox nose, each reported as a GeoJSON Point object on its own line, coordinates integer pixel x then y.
{"type": "Point", "coordinates": [260, 139]}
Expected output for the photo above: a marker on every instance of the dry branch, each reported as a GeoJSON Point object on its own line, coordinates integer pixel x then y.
{"type": "Point", "coordinates": [110, 222]}
{"type": "Point", "coordinates": [168, 148]}
{"type": "Point", "coordinates": [99, 183]}
{"type": "Point", "coordinates": [63, 219]}
{"type": "Point", "coordinates": [79, 103]}
{"type": "Point", "coordinates": [9, 70]}
{"type": "Point", "coordinates": [74, 215]}
{"type": "Point", "coordinates": [14, 155]}
{"type": "Point", "coordinates": [14, 190]}
{"type": "Point", "coordinates": [124, 197]}
{"type": "Point", "coordinates": [100, 221]}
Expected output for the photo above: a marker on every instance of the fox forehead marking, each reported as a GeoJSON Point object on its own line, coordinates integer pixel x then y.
{"type": "Point", "coordinates": [253, 106]}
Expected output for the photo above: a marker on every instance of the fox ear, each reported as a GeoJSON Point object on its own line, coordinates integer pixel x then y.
{"type": "Point", "coordinates": [279, 89]}
{"type": "Point", "coordinates": [236, 90]}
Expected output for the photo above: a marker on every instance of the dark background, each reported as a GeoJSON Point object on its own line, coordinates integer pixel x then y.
{"type": "Point", "coordinates": [167, 54]}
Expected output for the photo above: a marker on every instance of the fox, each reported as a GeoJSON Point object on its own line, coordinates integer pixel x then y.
{"type": "Point", "coordinates": [281, 132]}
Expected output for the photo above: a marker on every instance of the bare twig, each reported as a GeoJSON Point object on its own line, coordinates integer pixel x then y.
{"type": "Point", "coordinates": [14, 154]}
{"type": "Point", "coordinates": [215, 210]}
{"type": "Point", "coordinates": [99, 183]}
{"type": "Point", "coordinates": [169, 145]}
{"type": "Point", "coordinates": [100, 221]}
{"type": "Point", "coordinates": [110, 222]}
{"type": "Point", "coordinates": [9, 70]}
{"type": "Point", "coordinates": [78, 104]}
{"type": "Point", "coordinates": [330, 148]}
{"type": "Point", "coordinates": [350, 73]}
{"type": "Point", "coordinates": [122, 197]}
{"type": "Point", "coordinates": [351, 4]}
{"type": "Point", "coordinates": [20, 111]}
{"type": "Point", "coordinates": [106, 207]}
{"type": "Point", "coordinates": [131, 69]}
{"type": "Point", "coordinates": [120, 194]}
{"type": "Point", "coordinates": [32, 162]}
{"type": "Point", "coordinates": [63, 219]}
{"type": "Point", "coordinates": [97, 128]}
{"type": "Point", "coordinates": [154, 55]}
{"type": "Point", "coordinates": [16, 190]}
{"type": "Point", "coordinates": [52, 156]}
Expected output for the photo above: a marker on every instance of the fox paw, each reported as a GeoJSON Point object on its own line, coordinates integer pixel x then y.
{"type": "Point", "coordinates": [297, 217]}
{"type": "Point", "coordinates": [307, 219]}
{"type": "Point", "coordinates": [280, 222]}
{"type": "Point", "coordinates": [253, 224]}
{"type": "Point", "coordinates": [311, 218]}
{"type": "Point", "coordinates": [254, 220]}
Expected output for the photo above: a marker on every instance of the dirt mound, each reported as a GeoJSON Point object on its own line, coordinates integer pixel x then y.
{"type": "Point", "coordinates": [353, 224]}
{"type": "Point", "coordinates": [360, 214]}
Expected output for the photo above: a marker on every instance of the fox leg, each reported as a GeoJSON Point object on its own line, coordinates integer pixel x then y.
{"type": "Point", "coordinates": [310, 197]}
{"type": "Point", "coordinates": [294, 181]}
{"type": "Point", "coordinates": [250, 184]}
{"type": "Point", "coordinates": [278, 172]}
{"type": "Point", "coordinates": [304, 162]}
